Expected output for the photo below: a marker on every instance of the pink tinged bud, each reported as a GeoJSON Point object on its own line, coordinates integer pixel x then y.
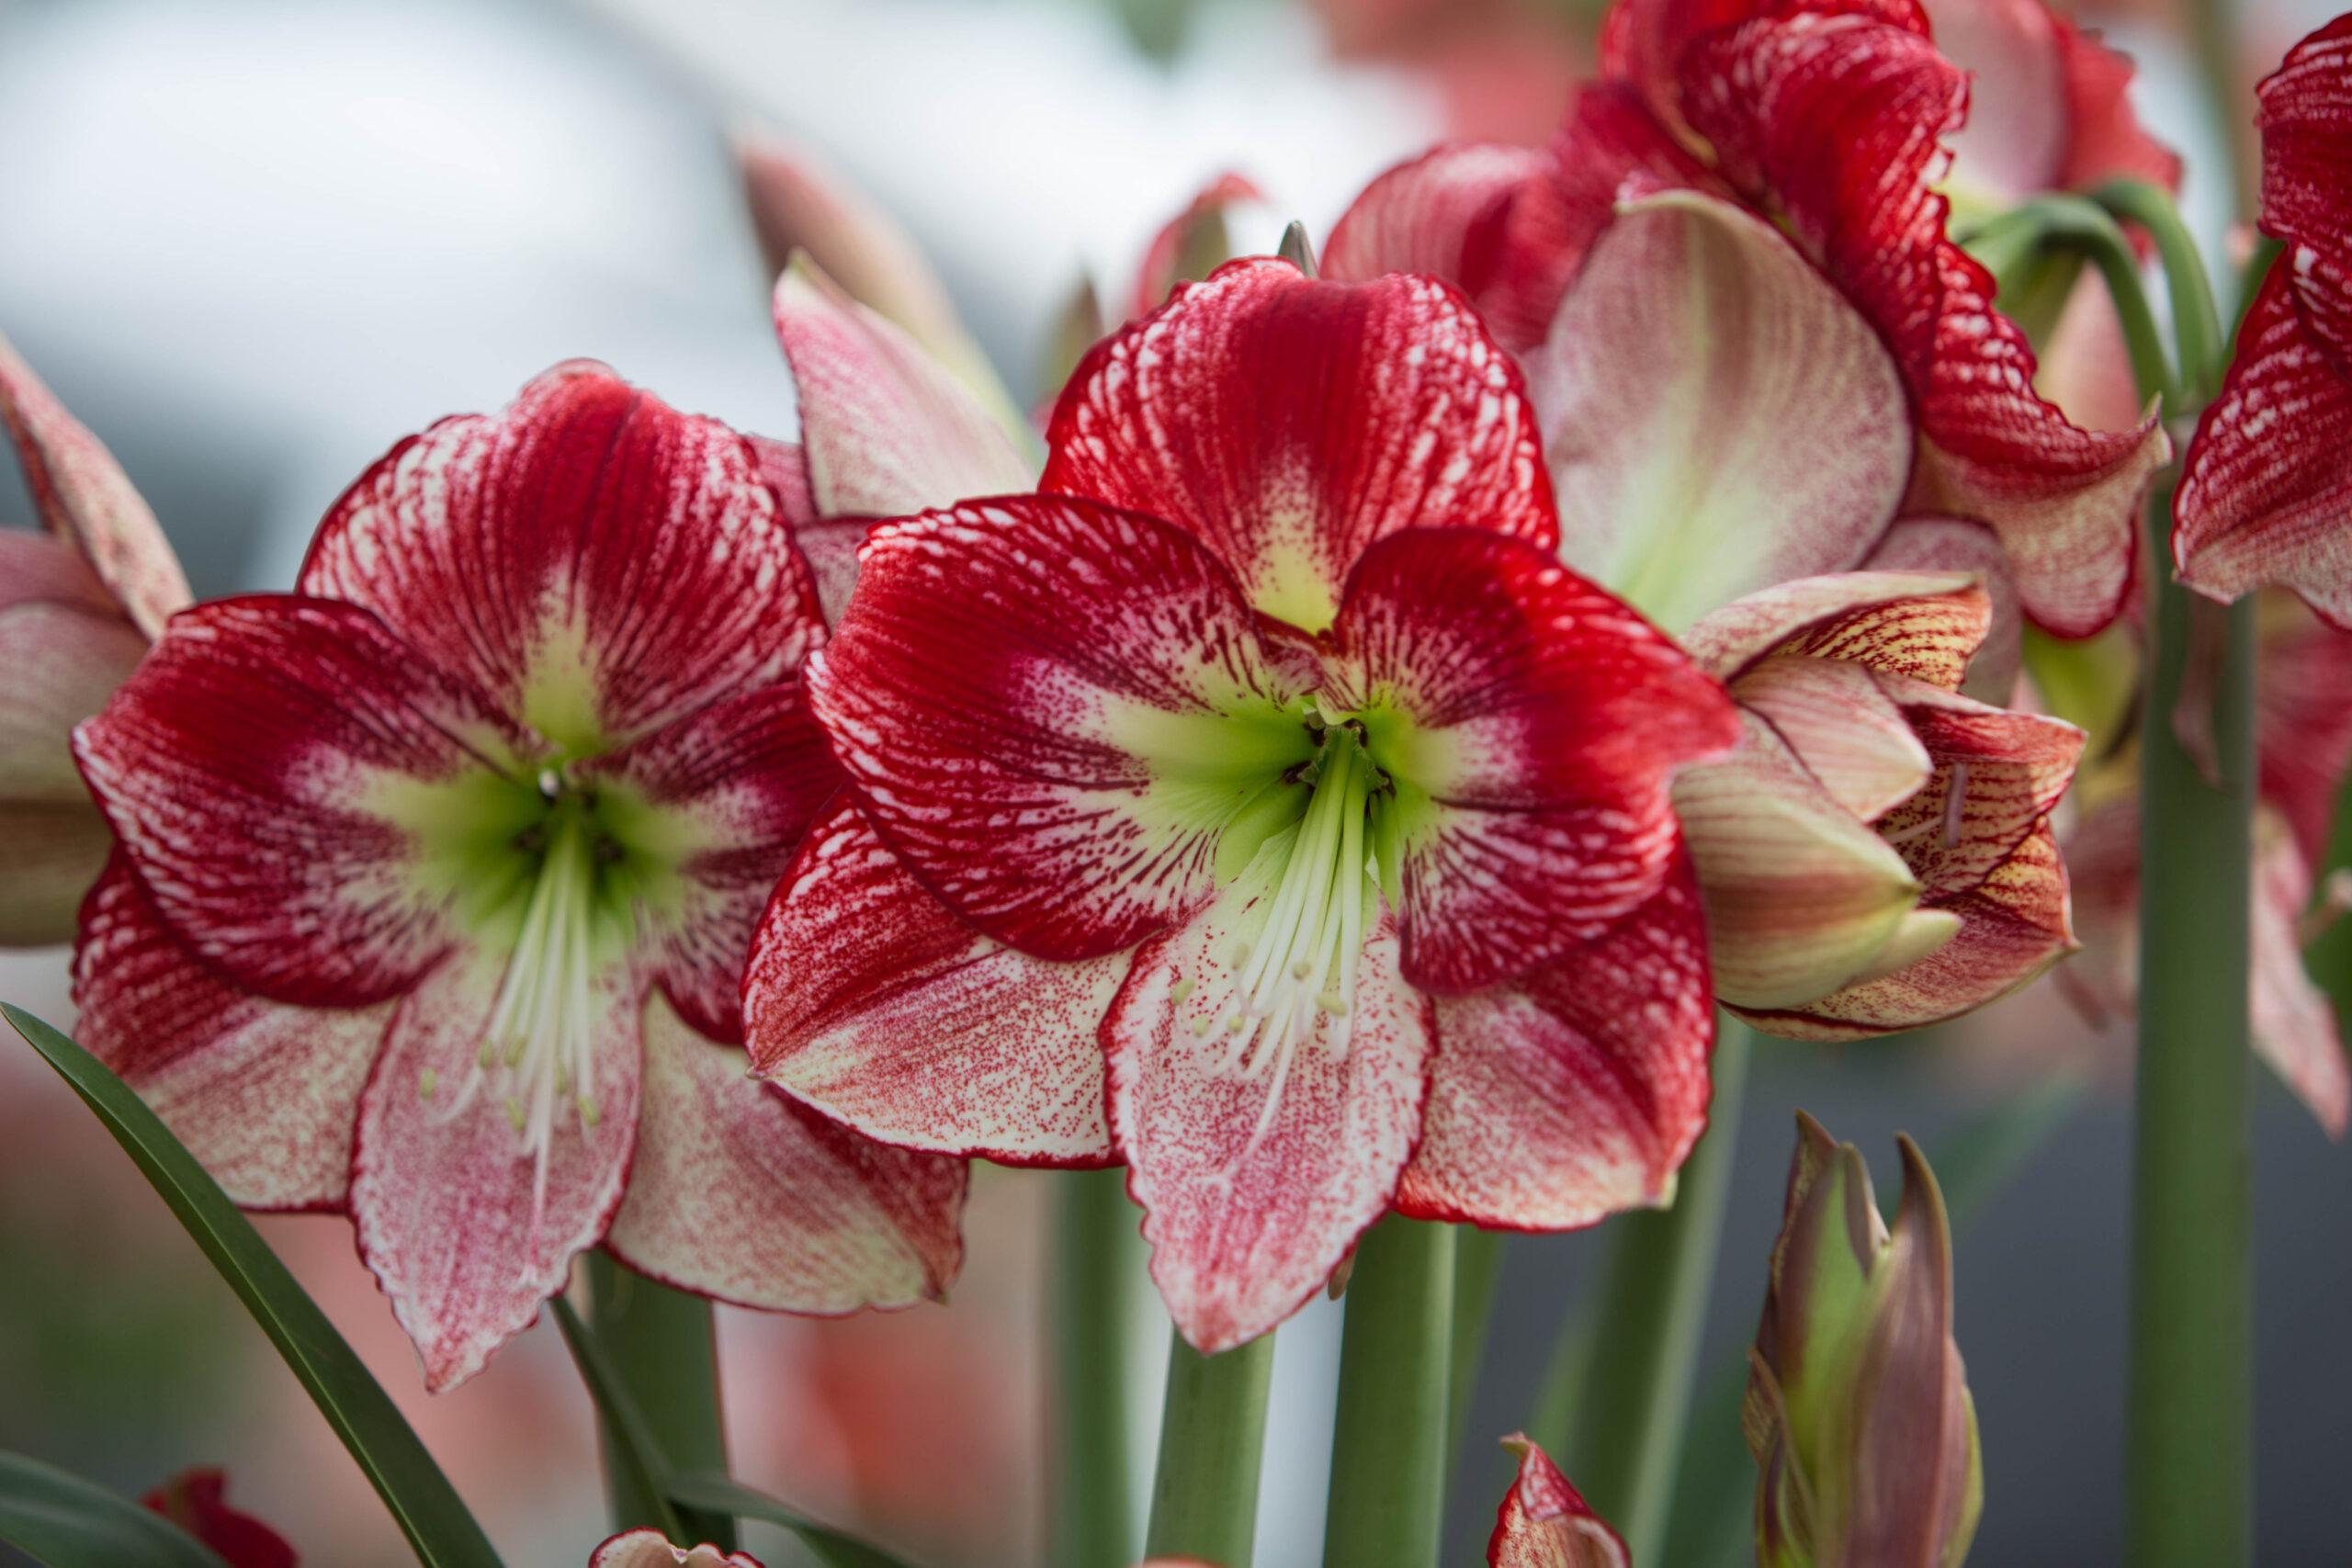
{"type": "Point", "coordinates": [1857, 1407]}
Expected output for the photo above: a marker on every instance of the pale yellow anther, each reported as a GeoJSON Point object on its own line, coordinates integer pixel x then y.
{"type": "Point", "coordinates": [425, 1082]}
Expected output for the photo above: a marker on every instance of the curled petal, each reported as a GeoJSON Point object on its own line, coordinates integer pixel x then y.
{"type": "Point", "coordinates": [1923, 624]}
{"type": "Point", "coordinates": [887, 430]}
{"type": "Point", "coordinates": [1538, 723]}
{"type": "Point", "coordinates": [463, 1228]}
{"type": "Point", "coordinates": [1998, 774]}
{"type": "Point", "coordinates": [1288, 422]}
{"type": "Point", "coordinates": [1575, 1090]}
{"type": "Point", "coordinates": [1050, 710]}
{"type": "Point", "coordinates": [1192, 244]}
{"type": "Point", "coordinates": [265, 768]}
{"type": "Point", "coordinates": [263, 1093]}
{"type": "Point", "coordinates": [63, 661]}
{"type": "Point", "coordinates": [867, 1000]}
{"type": "Point", "coordinates": [1957, 544]}
{"type": "Point", "coordinates": [1716, 417]}
{"type": "Point", "coordinates": [1844, 728]}
{"type": "Point", "coordinates": [2306, 120]}
{"type": "Point", "coordinates": [1545, 1523]}
{"type": "Point", "coordinates": [1255, 1186]}
{"type": "Point", "coordinates": [2293, 1021]}
{"type": "Point", "coordinates": [595, 561]}
{"type": "Point", "coordinates": [738, 1193]}
{"type": "Point", "coordinates": [650, 1548]}
{"type": "Point", "coordinates": [83, 496]}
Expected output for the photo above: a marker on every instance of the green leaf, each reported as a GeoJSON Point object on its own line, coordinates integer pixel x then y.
{"type": "Point", "coordinates": [422, 1501]}
{"type": "Point", "coordinates": [68, 1522]}
{"type": "Point", "coordinates": [723, 1495]}
{"type": "Point", "coordinates": [639, 1465]}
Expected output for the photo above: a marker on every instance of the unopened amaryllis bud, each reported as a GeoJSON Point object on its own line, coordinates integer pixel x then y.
{"type": "Point", "coordinates": [650, 1548]}
{"type": "Point", "coordinates": [1858, 1407]}
{"type": "Point", "coordinates": [1545, 1523]}
{"type": "Point", "coordinates": [196, 1500]}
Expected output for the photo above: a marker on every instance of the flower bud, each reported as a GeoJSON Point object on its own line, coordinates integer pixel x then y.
{"type": "Point", "coordinates": [1858, 1409]}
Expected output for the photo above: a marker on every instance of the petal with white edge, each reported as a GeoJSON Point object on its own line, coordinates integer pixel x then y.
{"type": "Point", "coordinates": [651, 1549]}
{"type": "Point", "coordinates": [1544, 1523]}
{"type": "Point", "coordinates": [739, 1192]}
{"type": "Point", "coordinates": [867, 1000]}
{"type": "Point", "coordinates": [1923, 624]}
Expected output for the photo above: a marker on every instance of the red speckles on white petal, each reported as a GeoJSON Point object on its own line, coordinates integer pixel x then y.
{"type": "Point", "coordinates": [1544, 1523]}
{"type": "Point", "coordinates": [869, 1000]}
{"type": "Point", "coordinates": [740, 1193]}
{"type": "Point", "coordinates": [650, 1548]}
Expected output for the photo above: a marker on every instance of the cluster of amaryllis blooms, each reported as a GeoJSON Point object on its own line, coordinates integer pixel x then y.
{"type": "Point", "coordinates": [1345, 776]}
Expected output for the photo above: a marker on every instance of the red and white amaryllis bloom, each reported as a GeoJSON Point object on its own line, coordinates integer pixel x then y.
{"type": "Point", "coordinates": [1269, 760]}
{"type": "Point", "coordinates": [1544, 1522]}
{"type": "Point", "coordinates": [78, 603]}
{"type": "Point", "coordinates": [436, 878]}
{"type": "Point", "coordinates": [2266, 491]}
{"type": "Point", "coordinates": [1877, 854]}
{"type": "Point", "coordinates": [1832, 124]}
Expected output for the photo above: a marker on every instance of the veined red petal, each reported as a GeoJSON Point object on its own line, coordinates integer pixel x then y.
{"type": "Point", "coordinates": [739, 784]}
{"type": "Point", "coordinates": [2266, 491]}
{"type": "Point", "coordinates": [1539, 722]}
{"type": "Point", "coordinates": [1488, 218]}
{"type": "Point", "coordinates": [1288, 422]}
{"type": "Point", "coordinates": [1923, 624]}
{"type": "Point", "coordinates": [1050, 710]}
{"type": "Point", "coordinates": [1255, 1185]}
{"type": "Point", "coordinates": [264, 1094]}
{"type": "Point", "coordinates": [867, 1000]}
{"type": "Point", "coordinates": [2049, 108]}
{"type": "Point", "coordinates": [1997, 775]}
{"type": "Point", "coordinates": [1174, 254]}
{"type": "Point", "coordinates": [1716, 416]}
{"type": "Point", "coordinates": [738, 1193]}
{"type": "Point", "coordinates": [1544, 1523]}
{"type": "Point", "coordinates": [248, 767]}
{"type": "Point", "coordinates": [462, 1229]}
{"type": "Point", "coordinates": [1575, 1090]}
{"type": "Point", "coordinates": [887, 429]}
{"type": "Point", "coordinates": [85, 497]}
{"type": "Point", "coordinates": [650, 1548]}
{"type": "Point", "coordinates": [2306, 122]}
{"type": "Point", "coordinates": [1989, 672]}
{"type": "Point", "coordinates": [597, 562]}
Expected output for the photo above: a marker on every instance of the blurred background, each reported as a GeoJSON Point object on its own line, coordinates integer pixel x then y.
{"type": "Point", "coordinates": [251, 244]}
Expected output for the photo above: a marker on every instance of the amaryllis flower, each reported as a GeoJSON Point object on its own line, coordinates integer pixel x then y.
{"type": "Point", "coordinates": [1545, 1523]}
{"type": "Point", "coordinates": [436, 875]}
{"type": "Point", "coordinates": [1832, 124]}
{"type": "Point", "coordinates": [2266, 491]}
{"type": "Point", "coordinates": [1858, 1412]}
{"type": "Point", "coordinates": [197, 1501]}
{"type": "Point", "coordinates": [1877, 854]}
{"type": "Point", "coordinates": [78, 603]}
{"type": "Point", "coordinates": [1271, 759]}
{"type": "Point", "coordinates": [651, 1549]}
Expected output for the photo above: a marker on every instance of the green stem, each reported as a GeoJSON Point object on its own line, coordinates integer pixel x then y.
{"type": "Point", "coordinates": [2190, 1458]}
{"type": "Point", "coordinates": [2195, 325]}
{"type": "Point", "coordinates": [1388, 1500]}
{"type": "Point", "coordinates": [1212, 1429]}
{"type": "Point", "coordinates": [2071, 222]}
{"type": "Point", "coordinates": [1632, 1398]}
{"type": "Point", "coordinates": [658, 1343]}
{"type": "Point", "coordinates": [1093, 1524]}
{"type": "Point", "coordinates": [2214, 25]}
{"type": "Point", "coordinates": [1477, 1267]}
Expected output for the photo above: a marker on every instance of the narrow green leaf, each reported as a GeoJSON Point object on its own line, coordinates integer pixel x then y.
{"type": "Point", "coordinates": [723, 1495]}
{"type": "Point", "coordinates": [62, 1519]}
{"type": "Point", "coordinates": [637, 1452]}
{"type": "Point", "coordinates": [422, 1501]}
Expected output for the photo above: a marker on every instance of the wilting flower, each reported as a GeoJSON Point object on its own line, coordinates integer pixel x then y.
{"type": "Point", "coordinates": [78, 603]}
{"type": "Point", "coordinates": [2266, 491]}
{"type": "Point", "coordinates": [1857, 1407]}
{"type": "Point", "coordinates": [651, 1549]}
{"type": "Point", "coordinates": [435, 876]}
{"type": "Point", "coordinates": [1544, 1523]}
{"type": "Point", "coordinates": [1878, 853]}
{"type": "Point", "coordinates": [1831, 125]}
{"type": "Point", "coordinates": [1271, 759]}
{"type": "Point", "coordinates": [198, 1501]}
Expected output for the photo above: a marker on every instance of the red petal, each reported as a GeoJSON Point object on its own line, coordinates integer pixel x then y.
{"type": "Point", "coordinates": [242, 767]}
{"type": "Point", "coordinates": [2303, 710]}
{"type": "Point", "coordinates": [1290, 423]}
{"type": "Point", "coordinates": [2266, 488]}
{"type": "Point", "coordinates": [2306, 121]}
{"type": "Point", "coordinates": [870, 1002]}
{"type": "Point", "coordinates": [1920, 625]}
{"type": "Point", "coordinates": [597, 562]}
{"type": "Point", "coordinates": [2017, 765]}
{"type": "Point", "coordinates": [2106, 139]}
{"type": "Point", "coordinates": [745, 777]}
{"type": "Point", "coordinates": [1029, 694]}
{"type": "Point", "coordinates": [1488, 218]}
{"type": "Point", "coordinates": [1716, 416]}
{"type": "Point", "coordinates": [1577, 1090]}
{"type": "Point", "coordinates": [738, 1193]}
{"type": "Point", "coordinates": [451, 1215]}
{"type": "Point", "coordinates": [1172, 257]}
{"type": "Point", "coordinates": [2048, 105]}
{"type": "Point", "coordinates": [1249, 1210]}
{"type": "Point", "coordinates": [264, 1094]}
{"type": "Point", "coordinates": [1546, 721]}
{"type": "Point", "coordinates": [1989, 670]}
{"type": "Point", "coordinates": [83, 496]}
{"type": "Point", "coordinates": [1544, 1523]}
{"type": "Point", "coordinates": [196, 1500]}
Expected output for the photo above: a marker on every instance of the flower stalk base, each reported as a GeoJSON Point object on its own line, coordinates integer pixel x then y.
{"type": "Point", "coordinates": [1212, 1431]}
{"type": "Point", "coordinates": [1388, 1458]}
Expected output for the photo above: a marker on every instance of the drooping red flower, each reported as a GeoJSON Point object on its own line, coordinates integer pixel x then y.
{"type": "Point", "coordinates": [2266, 491]}
{"type": "Point", "coordinates": [1544, 1522]}
{"type": "Point", "coordinates": [1832, 123]}
{"type": "Point", "coordinates": [1269, 760]}
{"type": "Point", "coordinates": [197, 1501]}
{"type": "Point", "coordinates": [436, 875]}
